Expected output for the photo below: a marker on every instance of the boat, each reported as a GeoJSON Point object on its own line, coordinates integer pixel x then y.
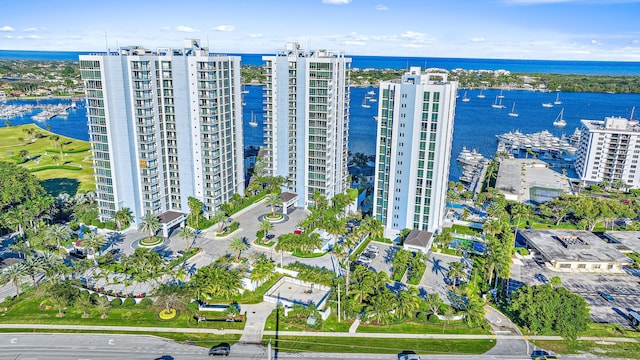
{"type": "Point", "coordinates": [253, 122]}
{"type": "Point", "coordinates": [559, 121]}
{"type": "Point", "coordinates": [547, 105]}
{"type": "Point", "coordinates": [364, 103]}
{"type": "Point", "coordinates": [371, 92]}
{"type": "Point", "coordinates": [244, 90]}
{"type": "Point", "coordinates": [498, 103]}
{"type": "Point", "coordinates": [375, 118]}
{"type": "Point", "coordinates": [513, 112]}
{"type": "Point", "coordinates": [557, 102]}
{"type": "Point", "coordinates": [465, 98]}
{"type": "Point", "coordinates": [500, 96]}
{"type": "Point", "coordinates": [481, 95]}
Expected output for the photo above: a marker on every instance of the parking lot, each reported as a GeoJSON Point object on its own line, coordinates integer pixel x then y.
{"type": "Point", "coordinates": [624, 288]}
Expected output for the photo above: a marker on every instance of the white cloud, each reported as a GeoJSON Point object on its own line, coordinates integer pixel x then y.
{"type": "Point", "coordinates": [29, 37]}
{"type": "Point", "coordinates": [257, 35]}
{"type": "Point", "coordinates": [165, 28]}
{"type": "Point", "coordinates": [7, 28]}
{"type": "Point", "coordinates": [336, 2]}
{"type": "Point", "coordinates": [596, 42]}
{"type": "Point", "coordinates": [381, 7]}
{"type": "Point", "coordinates": [31, 29]}
{"type": "Point", "coordinates": [224, 28]}
{"type": "Point", "coordinates": [412, 46]}
{"type": "Point", "coordinates": [8, 36]}
{"type": "Point", "coordinates": [183, 28]}
{"type": "Point", "coordinates": [354, 43]}
{"type": "Point", "coordinates": [478, 39]}
{"type": "Point", "coordinates": [415, 36]}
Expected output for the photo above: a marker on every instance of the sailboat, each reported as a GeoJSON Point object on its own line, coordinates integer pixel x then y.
{"type": "Point", "coordinates": [364, 103]}
{"type": "Point", "coordinates": [498, 103]}
{"type": "Point", "coordinates": [244, 90]}
{"type": "Point", "coordinates": [500, 96]}
{"type": "Point", "coordinates": [481, 95]}
{"type": "Point", "coordinates": [513, 112]}
{"type": "Point", "coordinates": [557, 102]}
{"type": "Point", "coordinates": [465, 98]}
{"type": "Point", "coordinates": [547, 105]}
{"type": "Point", "coordinates": [559, 121]}
{"type": "Point", "coordinates": [253, 122]}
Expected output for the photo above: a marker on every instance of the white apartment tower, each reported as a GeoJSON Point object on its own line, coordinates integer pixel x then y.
{"type": "Point", "coordinates": [307, 120]}
{"type": "Point", "coordinates": [413, 150]}
{"type": "Point", "coordinates": [164, 126]}
{"type": "Point", "coordinates": [609, 150]}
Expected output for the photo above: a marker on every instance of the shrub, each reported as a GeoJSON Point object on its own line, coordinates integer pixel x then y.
{"type": "Point", "coordinates": [115, 303]}
{"type": "Point", "coordinates": [146, 303]}
{"type": "Point", "coordinates": [73, 225]}
{"type": "Point", "coordinates": [128, 302]}
{"type": "Point", "coordinates": [522, 251]}
{"type": "Point", "coordinates": [233, 227]}
{"type": "Point", "coordinates": [111, 225]}
{"type": "Point", "coordinates": [94, 297]}
{"type": "Point", "coordinates": [193, 307]}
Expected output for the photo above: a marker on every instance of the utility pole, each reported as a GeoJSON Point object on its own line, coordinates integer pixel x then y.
{"type": "Point", "coordinates": [269, 350]}
{"type": "Point", "coordinates": [338, 302]}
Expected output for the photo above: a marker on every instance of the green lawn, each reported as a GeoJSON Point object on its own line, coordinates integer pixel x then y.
{"type": "Point", "coordinates": [71, 173]}
{"type": "Point", "coordinates": [329, 325]}
{"type": "Point", "coordinates": [379, 346]}
{"type": "Point", "coordinates": [252, 297]}
{"type": "Point", "coordinates": [465, 230]}
{"type": "Point", "coordinates": [28, 311]}
{"type": "Point", "coordinates": [454, 327]}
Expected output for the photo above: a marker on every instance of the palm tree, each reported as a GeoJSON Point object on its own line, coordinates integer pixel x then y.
{"type": "Point", "coordinates": [448, 313]}
{"type": "Point", "coordinates": [265, 226]}
{"type": "Point", "coordinates": [219, 218]}
{"type": "Point", "coordinates": [123, 218]}
{"type": "Point", "coordinates": [103, 306]}
{"type": "Point", "coordinates": [150, 224]}
{"type": "Point", "coordinates": [24, 154]}
{"type": "Point", "coordinates": [34, 266]}
{"type": "Point", "coordinates": [55, 158]}
{"type": "Point", "coordinates": [57, 233]}
{"type": "Point", "coordinates": [262, 269]}
{"type": "Point", "coordinates": [54, 266]}
{"type": "Point", "coordinates": [93, 241]}
{"type": "Point", "coordinates": [433, 303]}
{"type": "Point", "coordinates": [456, 270]}
{"type": "Point", "coordinates": [187, 234]}
{"type": "Point", "coordinates": [274, 200]}
{"type": "Point", "coordinates": [408, 302]}
{"type": "Point", "coordinates": [84, 303]}
{"type": "Point", "coordinates": [14, 274]}
{"type": "Point", "coordinates": [373, 227]}
{"type": "Point", "coordinates": [237, 245]}
{"type": "Point", "coordinates": [195, 207]}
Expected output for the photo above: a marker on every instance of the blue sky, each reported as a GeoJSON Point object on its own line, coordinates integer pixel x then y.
{"type": "Point", "coordinates": [510, 29]}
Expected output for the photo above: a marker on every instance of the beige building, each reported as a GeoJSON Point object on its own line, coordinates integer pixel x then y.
{"type": "Point", "coordinates": [575, 251]}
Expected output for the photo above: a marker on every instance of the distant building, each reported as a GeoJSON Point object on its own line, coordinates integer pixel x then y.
{"type": "Point", "coordinates": [164, 126]}
{"type": "Point", "coordinates": [575, 251]}
{"type": "Point", "coordinates": [307, 120]}
{"type": "Point", "coordinates": [413, 151]}
{"type": "Point", "coordinates": [609, 150]}
{"type": "Point", "coordinates": [530, 181]}
{"type": "Point", "coordinates": [418, 240]}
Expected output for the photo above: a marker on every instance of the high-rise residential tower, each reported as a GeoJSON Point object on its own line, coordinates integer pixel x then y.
{"type": "Point", "coordinates": [609, 151]}
{"type": "Point", "coordinates": [307, 120]}
{"type": "Point", "coordinates": [413, 149]}
{"type": "Point", "coordinates": [164, 126]}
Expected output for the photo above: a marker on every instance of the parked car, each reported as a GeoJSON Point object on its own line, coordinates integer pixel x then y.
{"type": "Point", "coordinates": [372, 248]}
{"type": "Point", "coordinates": [364, 259]}
{"type": "Point", "coordinates": [298, 231]}
{"type": "Point", "coordinates": [220, 349]}
{"type": "Point", "coordinates": [369, 255]}
{"type": "Point", "coordinates": [270, 236]}
{"type": "Point", "coordinates": [606, 296]}
{"type": "Point", "coordinates": [543, 279]}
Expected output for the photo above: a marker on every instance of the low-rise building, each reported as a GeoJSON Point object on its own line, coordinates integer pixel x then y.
{"type": "Point", "coordinates": [575, 251]}
{"type": "Point", "coordinates": [530, 180]}
{"type": "Point", "coordinates": [418, 240]}
{"type": "Point", "coordinates": [625, 241]}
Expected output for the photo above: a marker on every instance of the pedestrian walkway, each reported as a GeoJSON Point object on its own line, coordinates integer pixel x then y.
{"type": "Point", "coordinates": [509, 339]}
{"type": "Point", "coordinates": [256, 316]}
{"type": "Point", "coordinates": [354, 327]}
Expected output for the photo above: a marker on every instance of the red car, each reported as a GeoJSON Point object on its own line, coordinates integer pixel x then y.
{"type": "Point", "coordinates": [298, 231]}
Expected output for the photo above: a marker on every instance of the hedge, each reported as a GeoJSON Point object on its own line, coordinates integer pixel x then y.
{"type": "Point", "coordinates": [50, 167]}
{"type": "Point", "coordinates": [68, 151]}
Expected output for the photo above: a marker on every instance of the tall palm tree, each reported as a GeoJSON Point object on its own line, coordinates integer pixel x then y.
{"type": "Point", "coordinates": [262, 268]}
{"type": "Point", "coordinates": [237, 245]}
{"type": "Point", "coordinates": [93, 241]}
{"type": "Point", "coordinates": [195, 207]}
{"type": "Point", "coordinates": [34, 266]}
{"type": "Point", "coordinates": [150, 224]}
{"type": "Point", "coordinates": [274, 200]}
{"type": "Point", "coordinates": [84, 303]}
{"type": "Point", "coordinates": [54, 266]}
{"type": "Point", "coordinates": [219, 217]}
{"type": "Point", "coordinates": [456, 270]}
{"type": "Point", "coordinates": [408, 303]}
{"type": "Point", "coordinates": [187, 234]}
{"type": "Point", "coordinates": [57, 233]}
{"type": "Point", "coordinates": [265, 226]}
{"type": "Point", "coordinates": [433, 303]}
{"type": "Point", "coordinates": [103, 305]}
{"type": "Point", "coordinates": [14, 274]}
{"type": "Point", "coordinates": [123, 218]}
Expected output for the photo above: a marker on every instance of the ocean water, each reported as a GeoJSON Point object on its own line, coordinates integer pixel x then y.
{"type": "Point", "coordinates": [398, 62]}
{"type": "Point", "coordinates": [476, 122]}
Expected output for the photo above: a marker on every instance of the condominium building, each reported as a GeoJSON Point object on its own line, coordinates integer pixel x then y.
{"type": "Point", "coordinates": [609, 150]}
{"type": "Point", "coordinates": [164, 125]}
{"type": "Point", "coordinates": [307, 120]}
{"type": "Point", "coordinates": [413, 149]}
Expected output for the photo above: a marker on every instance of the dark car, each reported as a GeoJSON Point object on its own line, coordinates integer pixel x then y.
{"type": "Point", "coordinates": [270, 236]}
{"type": "Point", "coordinates": [220, 349]}
{"type": "Point", "coordinates": [543, 279]}
{"type": "Point", "coordinates": [606, 296]}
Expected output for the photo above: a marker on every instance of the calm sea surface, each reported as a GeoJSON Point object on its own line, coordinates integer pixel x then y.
{"type": "Point", "coordinates": [476, 122]}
